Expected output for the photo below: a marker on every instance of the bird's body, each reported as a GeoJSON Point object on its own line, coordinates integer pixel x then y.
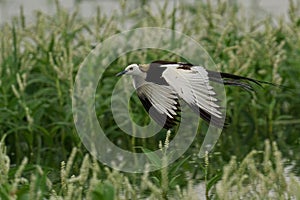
{"type": "Point", "coordinates": [161, 84]}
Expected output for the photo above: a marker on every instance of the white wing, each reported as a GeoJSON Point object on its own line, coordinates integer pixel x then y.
{"type": "Point", "coordinates": [163, 99]}
{"type": "Point", "coordinates": [192, 85]}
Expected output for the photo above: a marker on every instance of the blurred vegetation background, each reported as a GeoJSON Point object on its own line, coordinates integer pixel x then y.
{"type": "Point", "coordinates": [40, 149]}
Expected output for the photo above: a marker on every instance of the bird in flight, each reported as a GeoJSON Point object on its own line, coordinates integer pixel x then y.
{"type": "Point", "coordinates": [160, 85]}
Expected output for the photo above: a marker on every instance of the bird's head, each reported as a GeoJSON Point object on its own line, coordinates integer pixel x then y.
{"type": "Point", "coordinates": [132, 69]}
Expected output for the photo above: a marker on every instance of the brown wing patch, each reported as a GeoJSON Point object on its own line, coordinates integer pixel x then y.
{"type": "Point", "coordinates": [184, 67]}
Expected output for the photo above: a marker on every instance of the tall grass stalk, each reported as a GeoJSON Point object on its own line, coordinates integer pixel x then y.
{"type": "Point", "coordinates": [38, 64]}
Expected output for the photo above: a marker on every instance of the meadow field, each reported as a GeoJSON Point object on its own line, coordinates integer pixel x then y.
{"type": "Point", "coordinates": [42, 156]}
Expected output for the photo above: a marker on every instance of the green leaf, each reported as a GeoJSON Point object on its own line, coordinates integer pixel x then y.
{"type": "Point", "coordinates": [178, 165]}
{"type": "Point", "coordinates": [104, 191]}
{"type": "Point", "coordinates": [213, 181]}
{"type": "Point", "coordinates": [4, 191]}
{"type": "Point", "coordinates": [153, 157]}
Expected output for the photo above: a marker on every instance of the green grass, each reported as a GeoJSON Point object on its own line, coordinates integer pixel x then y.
{"type": "Point", "coordinates": [252, 178]}
{"type": "Point", "coordinates": [38, 64]}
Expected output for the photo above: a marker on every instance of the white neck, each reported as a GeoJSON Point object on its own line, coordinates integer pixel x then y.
{"type": "Point", "coordinates": [138, 80]}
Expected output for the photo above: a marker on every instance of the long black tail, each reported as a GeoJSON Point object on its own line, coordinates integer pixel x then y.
{"type": "Point", "coordinates": [231, 79]}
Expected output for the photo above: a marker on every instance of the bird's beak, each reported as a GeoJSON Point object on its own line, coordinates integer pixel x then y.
{"type": "Point", "coordinates": [121, 73]}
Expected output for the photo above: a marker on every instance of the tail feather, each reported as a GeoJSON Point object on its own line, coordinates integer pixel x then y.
{"type": "Point", "coordinates": [235, 80]}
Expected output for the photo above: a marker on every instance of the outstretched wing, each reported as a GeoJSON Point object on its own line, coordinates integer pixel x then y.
{"type": "Point", "coordinates": [191, 83]}
{"type": "Point", "coordinates": [161, 102]}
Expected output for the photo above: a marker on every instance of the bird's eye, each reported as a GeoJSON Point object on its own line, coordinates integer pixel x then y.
{"type": "Point", "coordinates": [131, 68]}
